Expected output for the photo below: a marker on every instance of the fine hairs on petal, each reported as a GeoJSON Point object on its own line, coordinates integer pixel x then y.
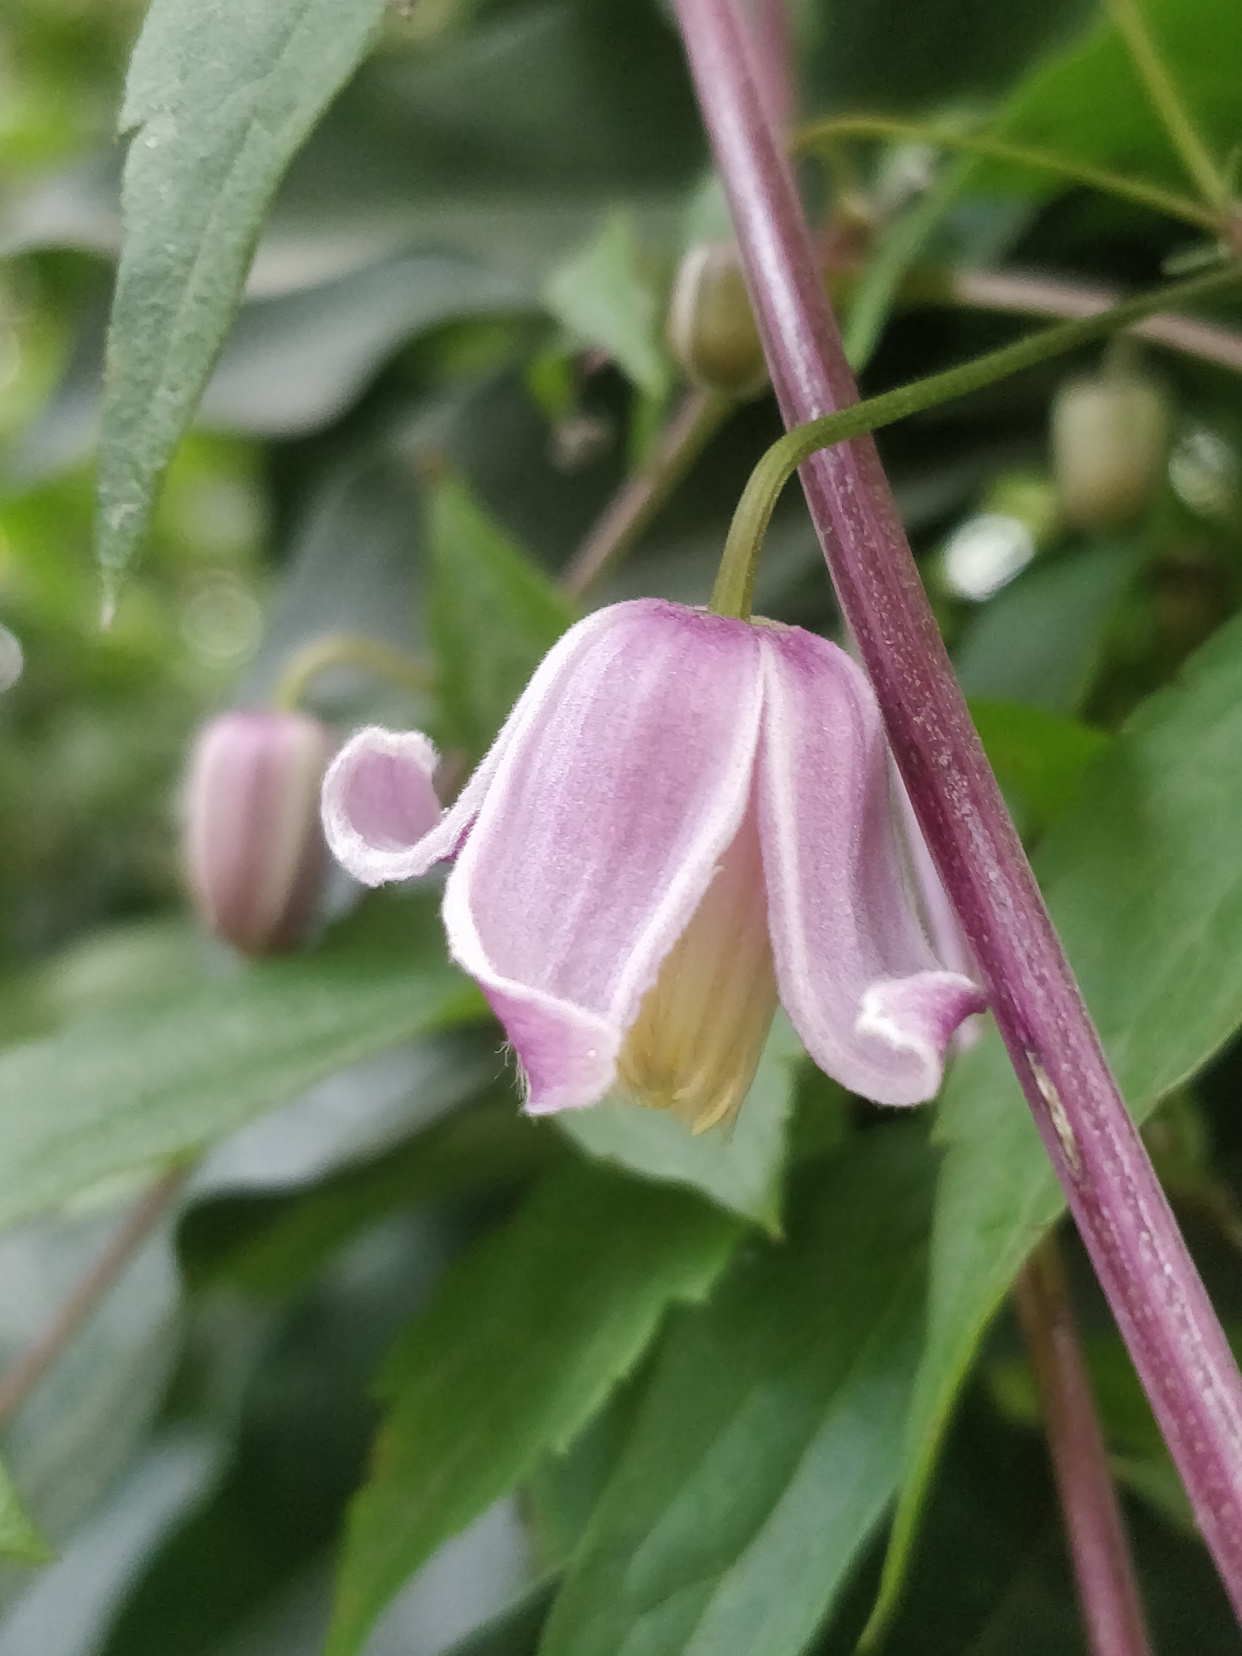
{"type": "Point", "coordinates": [604, 823]}
{"type": "Point", "coordinates": [842, 921]}
{"type": "Point", "coordinates": [379, 805]}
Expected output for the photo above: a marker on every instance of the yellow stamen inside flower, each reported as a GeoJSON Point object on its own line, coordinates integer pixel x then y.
{"type": "Point", "coordinates": [696, 1042]}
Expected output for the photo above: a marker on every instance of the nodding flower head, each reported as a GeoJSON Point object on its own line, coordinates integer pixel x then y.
{"type": "Point", "coordinates": [684, 818]}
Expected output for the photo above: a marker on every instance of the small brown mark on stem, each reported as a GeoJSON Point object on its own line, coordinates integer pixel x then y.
{"type": "Point", "coordinates": [1056, 1113]}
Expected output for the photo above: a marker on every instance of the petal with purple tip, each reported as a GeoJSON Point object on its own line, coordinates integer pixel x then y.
{"type": "Point", "coordinates": [841, 921]}
{"type": "Point", "coordinates": [603, 825]}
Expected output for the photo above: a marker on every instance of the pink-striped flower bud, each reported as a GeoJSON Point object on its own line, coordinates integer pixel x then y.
{"type": "Point", "coordinates": [254, 852]}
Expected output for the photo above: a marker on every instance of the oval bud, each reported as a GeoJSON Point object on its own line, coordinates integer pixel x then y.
{"type": "Point", "coordinates": [711, 327]}
{"type": "Point", "coordinates": [254, 851]}
{"type": "Point", "coordinates": [1110, 442]}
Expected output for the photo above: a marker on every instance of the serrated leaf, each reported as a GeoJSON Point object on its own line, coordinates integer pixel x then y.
{"type": "Point", "coordinates": [148, 1082]}
{"type": "Point", "coordinates": [768, 1444]}
{"type": "Point", "coordinates": [220, 95]}
{"type": "Point", "coordinates": [1144, 883]}
{"type": "Point", "coordinates": [605, 296]}
{"type": "Point", "coordinates": [520, 1347]}
{"type": "Point", "coordinates": [739, 1168]}
{"type": "Point", "coordinates": [493, 616]}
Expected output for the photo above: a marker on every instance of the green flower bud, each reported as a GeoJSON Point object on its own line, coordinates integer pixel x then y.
{"type": "Point", "coordinates": [711, 327]}
{"type": "Point", "coordinates": [1110, 442]}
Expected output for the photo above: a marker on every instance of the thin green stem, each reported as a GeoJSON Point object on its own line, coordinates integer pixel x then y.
{"type": "Point", "coordinates": [1167, 102]}
{"type": "Point", "coordinates": [1177, 206]}
{"type": "Point", "coordinates": [735, 582]}
{"type": "Point", "coordinates": [385, 661]}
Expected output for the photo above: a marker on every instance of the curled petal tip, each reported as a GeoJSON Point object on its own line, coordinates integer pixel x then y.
{"type": "Point", "coordinates": [917, 1017]}
{"type": "Point", "coordinates": [379, 804]}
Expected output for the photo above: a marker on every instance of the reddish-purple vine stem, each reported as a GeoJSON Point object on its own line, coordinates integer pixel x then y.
{"type": "Point", "coordinates": [1157, 1298]}
{"type": "Point", "coordinates": [1094, 1529]}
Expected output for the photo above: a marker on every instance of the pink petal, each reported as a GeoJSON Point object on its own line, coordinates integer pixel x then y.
{"type": "Point", "coordinates": [855, 970]}
{"type": "Point", "coordinates": [380, 812]}
{"type": "Point", "coordinates": [379, 807]}
{"type": "Point", "coordinates": [614, 799]}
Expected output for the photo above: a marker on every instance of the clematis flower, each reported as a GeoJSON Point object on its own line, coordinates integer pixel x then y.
{"type": "Point", "coordinates": [684, 817]}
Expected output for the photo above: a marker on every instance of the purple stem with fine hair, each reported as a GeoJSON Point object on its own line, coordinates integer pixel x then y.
{"type": "Point", "coordinates": [1157, 1298]}
{"type": "Point", "coordinates": [1107, 1591]}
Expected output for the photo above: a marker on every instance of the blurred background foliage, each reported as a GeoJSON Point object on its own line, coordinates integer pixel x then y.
{"type": "Point", "coordinates": [449, 357]}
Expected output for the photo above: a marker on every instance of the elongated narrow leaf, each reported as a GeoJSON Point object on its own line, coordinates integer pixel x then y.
{"type": "Point", "coordinates": [156, 1080]}
{"type": "Point", "coordinates": [221, 93]}
{"type": "Point", "coordinates": [1144, 882]}
{"type": "Point", "coordinates": [768, 1445]}
{"type": "Point", "coordinates": [521, 1346]}
{"type": "Point", "coordinates": [493, 616]}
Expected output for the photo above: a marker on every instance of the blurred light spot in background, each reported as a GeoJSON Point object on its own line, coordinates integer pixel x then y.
{"type": "Point", "coordinates": [222, 621]}
{"type": "Point", "coordinates": [1203, 469]}
{"type": "Point", "coordinates": [985, 553]}
{"type": "Point", "coordinates": [10, 659]}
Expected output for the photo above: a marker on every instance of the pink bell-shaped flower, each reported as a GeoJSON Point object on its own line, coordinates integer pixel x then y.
{"type": "Point", "coordinates": [684, 817]}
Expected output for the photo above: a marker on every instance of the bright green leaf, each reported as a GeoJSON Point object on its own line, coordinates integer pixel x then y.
{"type": "Point", "coordinates": [606, 297]}
{"type": "Point", "coordinates": [520, 1347]}
{"type": "Point", "coordinates": [220, 95]}
{"type": "Point", "coordinates": [1144, 883]}
{"type": "Point", "coordinates": [493, 617]}
{"type": "Point", "coordinates": [1087, 102]}
{"type": "Point", "coordinates": [19, 1539]}
{"type": "Point", "coordinates": [769, 1442]}
{"type": "Point", "coordinates": [740, 1168]}
{"type": "Point", "coordinates": [148, 1082]}
{"type": "Point", "coordinates": [1040, 639]}
{"type": "Point", "coordinates": [1040, 758]}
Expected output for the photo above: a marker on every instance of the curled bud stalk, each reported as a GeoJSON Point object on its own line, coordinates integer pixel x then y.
{"type": "Point", "coordinates": [254, 853]}
{"type": "Point", "coordinates": [1110, 442]}
{"type": "Point", "coordinates": [711, 327]}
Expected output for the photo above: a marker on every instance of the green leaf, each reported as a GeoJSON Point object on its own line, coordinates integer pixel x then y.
{"type": "Point", "coordinates": [273, 1244]}
{"type": "Point", "coordinates": [220, 95]}
{"type": "Point", "coordinates": [1039, 640]}
{"type": "Point", "coordinates": [1040, 758]}
{"type": "Point", "coordinates": [19, 1539]}
{"type": "Point", "coordinates": [605, 297]}
{"type": "Point", "coordinates": [1087, 102]}
{"type": "Point", "coordinates": [769, 1441]}
{"type": "Point", "coordinates": [493, 617]}
{"type": "Point", "coordinates": [1144, 883]}
{"type": "Point", "coordinates": [741, 1169]}
{"type": "Point", "coordinates": [149, 1082]}
{"type": "Point", "coordinates": [522, 1344]}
